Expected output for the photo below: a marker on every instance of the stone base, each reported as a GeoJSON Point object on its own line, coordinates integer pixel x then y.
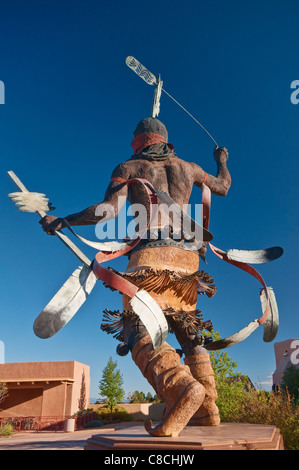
{"type": "Point", "coordinates": [226, 436]}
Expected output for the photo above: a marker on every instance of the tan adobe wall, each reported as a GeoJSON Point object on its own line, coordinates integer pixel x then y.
{"type": "Point", "coordinates": [43, 388]}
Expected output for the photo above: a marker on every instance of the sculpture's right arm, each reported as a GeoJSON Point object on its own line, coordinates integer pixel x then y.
{"type": "Point", "coordinates": [115, 197]}
{"type": "Point", "coordinates": [220, 183]}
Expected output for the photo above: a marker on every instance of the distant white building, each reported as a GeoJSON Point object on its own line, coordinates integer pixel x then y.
{"type": "Point", "coordinates": [286, 355]}
{"type": "Point", "coordinates": [2, 92]}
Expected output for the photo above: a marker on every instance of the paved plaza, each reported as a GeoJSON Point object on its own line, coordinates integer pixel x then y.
{"type": "Point", "coordinates": [47, 440]}
{"type": "Point", "coordinates": [53, 440]}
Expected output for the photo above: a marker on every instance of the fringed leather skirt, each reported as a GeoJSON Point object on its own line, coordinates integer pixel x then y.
{"type": "Point", "coordinates": [171, 276]}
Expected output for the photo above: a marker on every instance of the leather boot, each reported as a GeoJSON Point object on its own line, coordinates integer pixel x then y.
{"type": "Point", "coordinates": [172, 381]}
{"type": "Point", "coordinates": [201, 369]}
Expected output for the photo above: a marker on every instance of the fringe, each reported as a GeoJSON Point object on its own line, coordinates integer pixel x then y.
{"type": "Point", "coordinates": [186, 286]}
{"type": "Point", "coordinates": [191, 322]}
{"type": "Point", "coordinates": [114, 322]}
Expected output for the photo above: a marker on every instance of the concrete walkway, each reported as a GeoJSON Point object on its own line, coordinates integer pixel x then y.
{"type": "Point", "coordinates": [47, 440]}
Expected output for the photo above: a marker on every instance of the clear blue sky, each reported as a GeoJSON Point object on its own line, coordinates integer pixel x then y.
{"type": "Point", "coordinates": [70, 111]}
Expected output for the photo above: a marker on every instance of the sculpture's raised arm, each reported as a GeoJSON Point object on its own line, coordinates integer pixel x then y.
{"type": "Point", "coordinates": [219, 184]}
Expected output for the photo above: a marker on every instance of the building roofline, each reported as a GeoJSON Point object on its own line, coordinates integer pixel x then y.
{"type": "Point", "coordinates": [43, 362]}
{"type": "Point", "coordinates": [39, 379]}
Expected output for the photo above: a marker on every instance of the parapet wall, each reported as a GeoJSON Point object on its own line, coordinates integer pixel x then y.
{"type": "Point", "coordinates": [139, 411]}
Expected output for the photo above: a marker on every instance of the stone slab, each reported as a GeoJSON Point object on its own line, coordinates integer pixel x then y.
{"type": "Point", "coordinates": [226, 436]}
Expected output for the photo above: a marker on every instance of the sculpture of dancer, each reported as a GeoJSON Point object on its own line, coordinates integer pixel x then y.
{"type": "Point", "coordinates": [168, 269]}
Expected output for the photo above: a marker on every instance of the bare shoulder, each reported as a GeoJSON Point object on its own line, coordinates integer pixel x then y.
{"type": "Point", "coordinates": [179, 162]}
{"type": "Point", "coordinates": [191, 171]}
{"type": "Point", "coordinates": [122, 169]}
{"type": "Point", "coordinates": [148, 169]}
{"type": "Point", "coordinates": [184, 166]}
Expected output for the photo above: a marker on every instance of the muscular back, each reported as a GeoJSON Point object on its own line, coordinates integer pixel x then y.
{"type": "Point", "coordinates": [172, 176]}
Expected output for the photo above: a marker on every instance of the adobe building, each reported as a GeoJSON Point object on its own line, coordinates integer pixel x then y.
{"type": "Point", "coordinates": [43, 388]}
{"type": "Point", "coordinates": [286, 355]}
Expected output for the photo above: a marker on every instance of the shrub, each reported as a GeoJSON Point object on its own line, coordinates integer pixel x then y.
{"type": "Point", "coordinates": [230, 395]}
{"type": "Point", "coordinates": [118, 414]}
{"type": "Point", "coordinates": [290, 382]}
{"type": "Point", "coordinates": [238, 401]}
{"type": "Point", "coordinates": [84, 412]}
{"type": "Point", "coordinates": [6, 430]}
{"type": "Point", "coordinates": [277, 409]}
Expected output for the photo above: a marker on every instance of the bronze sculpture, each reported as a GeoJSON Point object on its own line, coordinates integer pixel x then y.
{"type": "Point", "coordinates": [169, 272]}
{"type": "Point", "coordinates": [162, 279]}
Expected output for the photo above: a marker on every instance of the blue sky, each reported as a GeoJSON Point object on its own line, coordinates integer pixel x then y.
{"type": "Point", "coordinates": [71, 106]}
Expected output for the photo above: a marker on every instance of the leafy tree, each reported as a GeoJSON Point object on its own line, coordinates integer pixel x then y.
{"type": "Point", "coordinates": [229, 383]}
{"type": "Point", "coordinates": [156, 399]}
{"type": "Point", "coordinates": [290, 382]}
{"type": "Point", "coordinates": [137, 397]}
{"type": "Point", "coordinates": [111, 385]}
{"type": "Point", "coordinates": [140, 397]}
{"type": "Point", "coordinates": [149, 397]}
{"type": "Point", "coordinates": [152, 399]}
{"type": "Point", "coordinates": [222, 364]}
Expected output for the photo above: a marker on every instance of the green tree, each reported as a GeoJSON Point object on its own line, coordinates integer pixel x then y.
{"type": "Point", "coordinates": [140, 397]}
{"type": "Point", "coordinates": [137, 397]}
{"type": "Point", "coordinates": [222, 363]}
{"type": "Point", "coordinates": [111, 385]}
{"type": "Point", "coordinates": [229, 384]}
{"type": "Point", "coordinates": [149, 397]}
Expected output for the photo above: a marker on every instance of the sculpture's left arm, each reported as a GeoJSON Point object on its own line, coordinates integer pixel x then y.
{"type": "Point", "coordinates": [220, 183]}
{"type": "Point", "coordinates": [115, 197]}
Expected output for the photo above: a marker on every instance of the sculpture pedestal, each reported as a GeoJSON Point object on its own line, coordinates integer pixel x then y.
{"type": "Point", "coordinates": [226, 436]}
